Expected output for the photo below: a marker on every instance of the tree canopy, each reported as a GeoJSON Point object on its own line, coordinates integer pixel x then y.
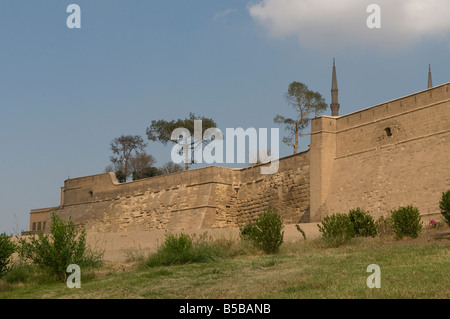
{"type": "Point", "coordinates": [162, 130]}
{"type": "Point", "coordinates": [305, 103]}
{"type": "Point", "coordinates": [127, 151]}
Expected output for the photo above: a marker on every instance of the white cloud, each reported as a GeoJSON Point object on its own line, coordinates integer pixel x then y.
{"type": "Point", "coordinates": [223, 13]}
{"type": "Point", "coordinates": [324, 24]}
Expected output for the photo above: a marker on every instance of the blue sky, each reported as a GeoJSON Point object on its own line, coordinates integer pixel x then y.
{"type": "Point", "coordinates": [66, 93]}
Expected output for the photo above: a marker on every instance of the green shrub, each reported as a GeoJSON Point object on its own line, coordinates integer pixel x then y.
{"type": "Point", "coordinates": [336, 229]}
{"type": "Point", "coordinates": [267, 232]}
{"type": "Point", "coordinates": [7, 248]}
{"type": "Point", "coordinates": [178, 244]}
{"type": "Point", "coordinates": [363, 223]}
{"type": "Point", "coordinates": [20, 272]}
{"type": "Point", "coordinates": [406, 222]}
{"type": "Point", "coordinates": [248, 231]}
{"type": "Point", "coordinates": [444, 205]}
{"type": "Point", "coordinates": [180, 249]}
{"type": "Point", "coordinates": [64, 246]}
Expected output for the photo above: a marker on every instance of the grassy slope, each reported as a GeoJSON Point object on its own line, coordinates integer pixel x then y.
{"type": "Point", "coordinates": [409, 269]}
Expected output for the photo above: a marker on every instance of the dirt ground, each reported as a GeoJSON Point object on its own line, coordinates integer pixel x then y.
{"type": "Point", "coordinates": [118, 246]}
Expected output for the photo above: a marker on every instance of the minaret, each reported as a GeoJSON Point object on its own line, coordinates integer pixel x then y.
{"type": "Point", "coordinates": [430, 81]}
{"type": "Point", "coordinates": [334, 93]}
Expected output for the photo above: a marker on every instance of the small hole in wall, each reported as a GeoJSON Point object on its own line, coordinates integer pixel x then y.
{"type": "Point", "coordinates": [388, 132]}
{"type": "Point", "coordinates": [91, 193]}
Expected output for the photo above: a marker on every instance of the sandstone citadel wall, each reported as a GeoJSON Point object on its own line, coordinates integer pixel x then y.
{"type": "Point", "coordinates": [389, 155]}
{"type": "Point", "coordinates": [200, 198]}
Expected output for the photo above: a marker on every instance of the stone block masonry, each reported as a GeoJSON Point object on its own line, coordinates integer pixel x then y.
{"type": "Point", "coordinates": [389, 155]}
{"type": "Point", "coordinates": [380, 158]}
{"type": "Point", "coordinates": [287, 191]}
{"type": "Point", "coordinates": [210, 197]}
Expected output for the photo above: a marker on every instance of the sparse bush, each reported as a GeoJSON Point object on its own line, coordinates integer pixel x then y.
{"type": "Point", "coordinates": [178, 244]}
{"type": "Point", "coordinates": [64, 246]}
{"type": "Point", "coordinates": [7, 248]}
{"type": "Point", "coordinates": [180, 249]}
{"type": "Point", "coordinates": [406, 222]}
{"type": "Point", "coordinates": [229, 248]}
{"type": "Point", "coordinates": [135, 255]}
{"type": "Point", "coordinates": [384, 226]}
{"type": "Point", "coordinates": [444, 205]}
{"type": "Point", "coordinates": [363, 223]}
{"type": "Point", "coordinates": [336, 229]}
{"type": "Point", "coordinates": [184, 249]}
{"type": "Point", "coordinates": [301, 231]}
{"type": "Point", "coordinates": [267, 232]}
{"type": "Point", "coordinates": [20, 272]}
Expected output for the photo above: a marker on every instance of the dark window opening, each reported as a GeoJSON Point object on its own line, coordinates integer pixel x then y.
{"type": "Point", "coordinates": [34, 226]}
{"type": "Point", "coordinates": [39, 225]}
{"type": "Point", "coordinates": [91, 193]}
{"type": "Point", "coordinates": [388, 132]}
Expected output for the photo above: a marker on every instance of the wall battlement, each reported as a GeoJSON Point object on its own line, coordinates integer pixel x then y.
{"type": "Point", "coordinates": [379, 158]}
{"type": "Point", "coordinates": [105, 186]}
{"type": "Point", "coordinates": [398, 106]}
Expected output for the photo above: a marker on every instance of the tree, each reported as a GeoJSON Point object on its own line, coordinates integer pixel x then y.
{"type": "Point", "coordinates": [306, 103]}
{"type": "Point", "coordinates": [170, 167]}
{"type": "Point", "coordinates": [141, 166]}
{"type": "Point", "coordinates": [65, 245]}
{"type": "Point", "coordinates": [162, 130]}
{"type": "Point", "coordinates": [146, 173]}
{"type": "Point", "coordinates": [124, 148]}
{"type": "Point", "coordinates": [7, 248]}
{"type": "Point", "coordinates": [116, 169]}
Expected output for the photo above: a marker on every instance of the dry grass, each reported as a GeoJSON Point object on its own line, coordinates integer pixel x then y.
{"type": "Point", "coordinates": [416, 268]}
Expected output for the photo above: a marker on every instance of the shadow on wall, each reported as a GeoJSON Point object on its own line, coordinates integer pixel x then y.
{"type": "Point", "coordinates": [306, 217]}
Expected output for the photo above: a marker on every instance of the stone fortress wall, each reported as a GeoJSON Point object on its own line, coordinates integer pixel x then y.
{"type": "Point", "coordinates": [207, 197]}
{"type": "Point", "coordinates": [389, 155]}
